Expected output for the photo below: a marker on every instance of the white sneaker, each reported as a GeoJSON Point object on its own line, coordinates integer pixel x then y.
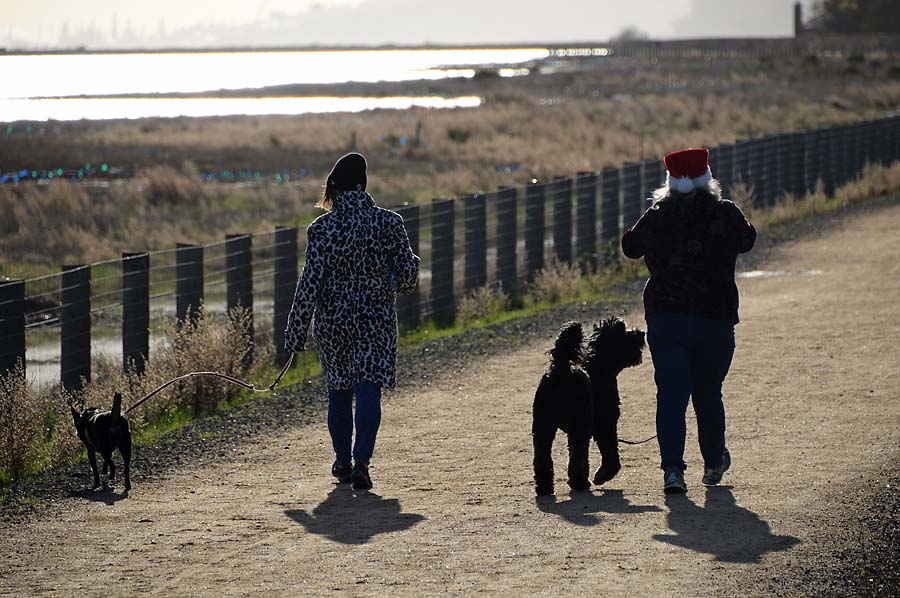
{"type": "Point", "coordinates": [673, 482]}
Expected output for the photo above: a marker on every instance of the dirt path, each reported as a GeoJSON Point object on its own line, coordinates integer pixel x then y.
{"type": "Point", "coordinates": [812, 406]}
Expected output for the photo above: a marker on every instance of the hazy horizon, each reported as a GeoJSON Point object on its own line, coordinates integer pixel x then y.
{"type": "Point", "coordinates": [105, 24]}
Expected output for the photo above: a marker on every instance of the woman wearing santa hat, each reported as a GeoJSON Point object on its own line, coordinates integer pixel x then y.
{"type": "Point", "coordinates": [357, 259]}
{"type": "Point", "coordinates": [690, 238]}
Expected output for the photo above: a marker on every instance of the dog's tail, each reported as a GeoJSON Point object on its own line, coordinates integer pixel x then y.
{"type": "Point", "coordinates": [567, 349]}
{"type": "Point", "coordinates": [117, 407]}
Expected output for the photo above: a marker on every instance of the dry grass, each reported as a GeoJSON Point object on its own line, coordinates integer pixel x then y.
{"type": "Point", "coordinates": [481, 303]}
{"type": "Point", "coordinates": [556, 282]}
{"type": "Point", "coordinates": [20, 425]}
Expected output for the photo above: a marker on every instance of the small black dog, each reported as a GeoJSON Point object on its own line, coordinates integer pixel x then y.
{"type": "Point", "coordinates": [610, 349]}
{"type": "Point", "coordinates": [563, 402]}
{"type": "Point", "coordinates": [103, 432]}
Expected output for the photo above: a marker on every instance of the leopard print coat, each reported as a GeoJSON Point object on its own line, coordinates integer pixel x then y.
{"type": "Point", "coordinates": [357, 259]}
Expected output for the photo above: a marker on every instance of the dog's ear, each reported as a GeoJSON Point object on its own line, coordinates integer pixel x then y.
{"type": "Point", "coordinates": [75, 415]}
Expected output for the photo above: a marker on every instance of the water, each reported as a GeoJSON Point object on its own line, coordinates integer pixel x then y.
{"type": "Point", "coordinates": [31, 80]}
{"type": "Point", "coordinates": [113, 108]}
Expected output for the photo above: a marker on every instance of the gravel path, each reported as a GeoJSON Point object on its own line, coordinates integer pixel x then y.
{"type": "Point", "coordinates": [241, 503]}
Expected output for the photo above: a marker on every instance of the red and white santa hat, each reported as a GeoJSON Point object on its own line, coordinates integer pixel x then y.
{"type": "Point", "coordinates": [688, 169]}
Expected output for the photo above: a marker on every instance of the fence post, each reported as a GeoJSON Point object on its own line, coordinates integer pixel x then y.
{"type": "Point", "coordinates": [609, 215]}
{"type": "Point", "coordinates": [828, 159]}
{"type": "Point", "coordinates": [507, 236]}
{"type": "Point", "coordinates": [75, 324]}
{"type": "Point", "coordinates": [12, 325]}
{"type": "Point", "coordinates": [775, 164]}
{"type": "Point", "coordinates": [135, 311]}
{"type": "Point", "coordinates": [586, 221]}
{"type": "Point", "coordinates": [408, 306]}
{"type": "Point", "coordinates": [653, 178]}
{"type": "Point", "coordinates": [742, 164]}
{"type": "Point", "coordinates": [632, 199]}
{"type": "Point", "coordinates": [561, 190]}
{"type": "Point", "coordinates": [877, 132]}
{"type": "Point", "coordinates": [757, 172]}
{"type": "Point", "coordinates": [443, 303]}
{"type": "Point", "coordinates": [724, 172]}
{"type": "Point", "coordinates": [189, 282]}
{"type": "Point", "coordinates": [798, 165]}
{"type": "Point", "coordinates": [895, 141]}
{"type": "Point", "coordinates": [860, 146]}
{"type": "Point", "coordinates": [535, 210]}
{"type": "Point", "coordinates": [475, 217]}
{"type": "Point", "coordinates": [285, 284]}
{"type": "Point", "coordinates": [239, 280]}
{"type": "Point", "coordinates": [713, 160]}
{"type": "Point", "coordinates": [811, 154]}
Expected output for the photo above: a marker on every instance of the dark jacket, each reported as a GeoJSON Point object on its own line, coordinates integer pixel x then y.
{"type": "Point", "coordinates": [690, 245]}
{"type": "Point", "coordinates": [357, 259]}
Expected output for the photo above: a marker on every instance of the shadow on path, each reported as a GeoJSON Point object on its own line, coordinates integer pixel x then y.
{"type": "Point", "coordinates": [721, 528]}
{"type": "Point", "coordinates": [104, 494]}
{"type": "Point", "coordinates": [352, 517]}
{"type": "Point", "coordinates": [581, 507]}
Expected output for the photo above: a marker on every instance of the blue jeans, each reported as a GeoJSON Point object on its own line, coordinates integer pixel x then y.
{"type": "Point", "coordinates": [691, 356]}
{"type": "Point", "coordinates": [368, 418]}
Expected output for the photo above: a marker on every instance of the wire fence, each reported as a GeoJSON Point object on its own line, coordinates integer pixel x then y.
{"type": "Point", "coordinates": [58, 325]}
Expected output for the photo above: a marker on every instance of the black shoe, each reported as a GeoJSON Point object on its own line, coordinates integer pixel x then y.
{"type": "Point", "coordinates": [341, 471]}
{"type": "Point", "coordinates": [359, 478]}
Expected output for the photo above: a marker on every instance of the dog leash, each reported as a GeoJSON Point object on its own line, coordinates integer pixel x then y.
{"type": "Point", "coordinates": [225, 377]}
{"type": "Point", "coordinates": [623, 441]}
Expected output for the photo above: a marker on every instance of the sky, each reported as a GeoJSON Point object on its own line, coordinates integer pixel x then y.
{"type": "Point", "coordinates": [156, 23]}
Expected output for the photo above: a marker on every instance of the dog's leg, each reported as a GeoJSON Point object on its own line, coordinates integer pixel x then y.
{"type": "Point", "coordinates": [578, 460]}
{"type": "Point", "coordinates": [125, 450]}
{"type": "Point", "coordinates": [107, 459]}
{"type": "Point", "coordinates": [543, 435]}
{"type": "Point", "coordinates": [92, 459]}
{"type": "Point", "coordinates": [607, 439]}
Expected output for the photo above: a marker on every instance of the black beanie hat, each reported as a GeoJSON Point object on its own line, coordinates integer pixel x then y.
{"type": "Point", "coordinates": [348, 173]}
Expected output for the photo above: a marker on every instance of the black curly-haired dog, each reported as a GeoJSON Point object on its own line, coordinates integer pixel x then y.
{"type": "Point", "coordinates": [103, 432]}
{"type": "Point", "coordinates": [583, 403]}
{"type": "Point", "coordinates": [610, 349]}
{"type": "Point", "coordinates": [563, 402]}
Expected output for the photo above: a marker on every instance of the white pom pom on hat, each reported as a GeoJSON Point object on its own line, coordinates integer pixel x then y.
{"type": "Point", "coordinates": [688, 169]}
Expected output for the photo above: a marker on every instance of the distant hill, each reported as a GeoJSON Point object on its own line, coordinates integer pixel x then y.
{"type": "Point", "coordinates": [499, 21]}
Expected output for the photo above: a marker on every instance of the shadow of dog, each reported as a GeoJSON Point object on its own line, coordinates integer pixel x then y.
{"type": "Point", "coordinates": [581, 508]}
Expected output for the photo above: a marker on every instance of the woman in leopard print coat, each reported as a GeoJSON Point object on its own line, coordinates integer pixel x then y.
{"type": "Point", "coordinates": [357, 259]}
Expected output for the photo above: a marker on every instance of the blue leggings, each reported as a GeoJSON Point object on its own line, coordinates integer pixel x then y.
{"type": "Point", "coordinates": [691, 357]}
{"type": "Point", "coordinates": [368, 418]}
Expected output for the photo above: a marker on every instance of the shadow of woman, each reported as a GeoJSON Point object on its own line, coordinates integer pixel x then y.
{"type": "Point", "coordinates": [354, 517]}
{"type": "Point", "coordinates": [721, 528]}
{"type": "Point", "coordinates": [581, 507]}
